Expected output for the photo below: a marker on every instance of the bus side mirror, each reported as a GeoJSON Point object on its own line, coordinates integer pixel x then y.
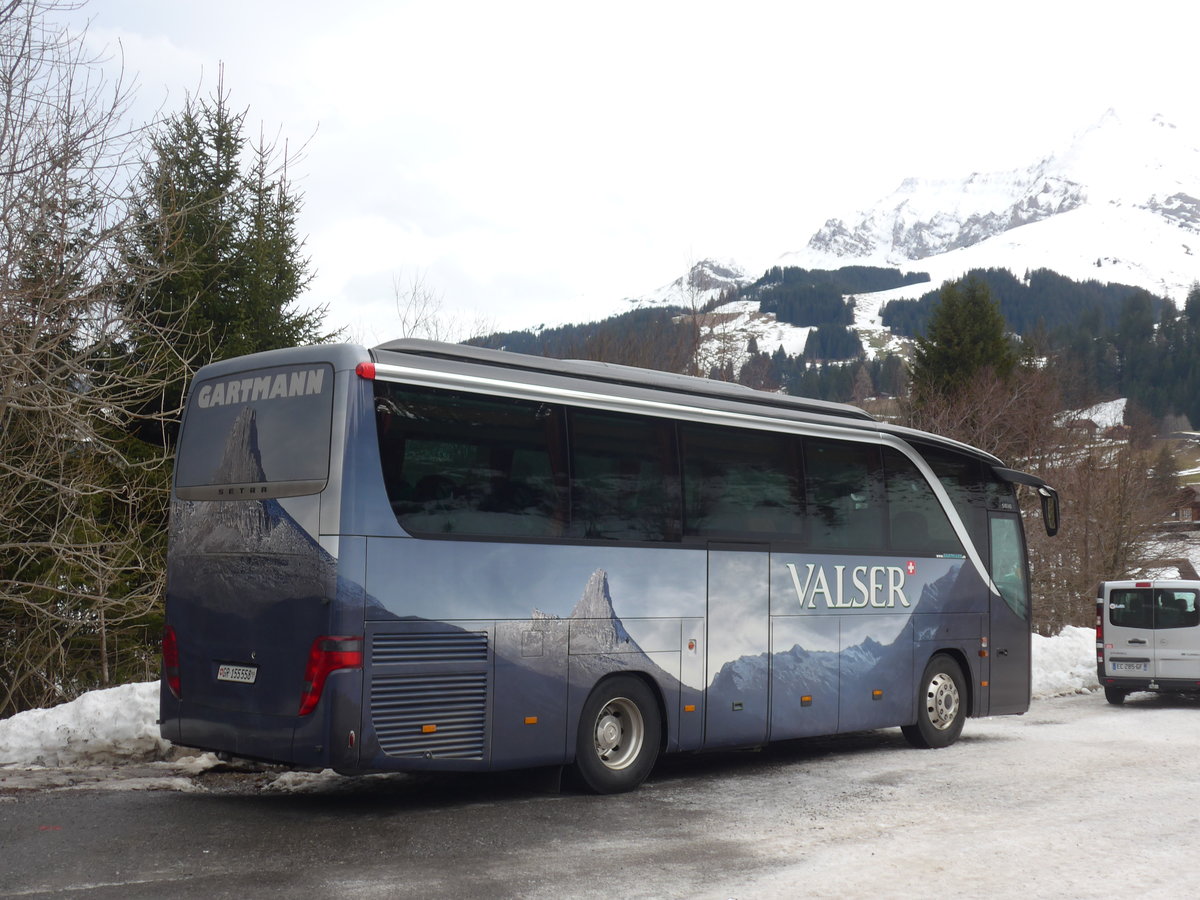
{"type": "Point", "coordinates": [1049, 509]}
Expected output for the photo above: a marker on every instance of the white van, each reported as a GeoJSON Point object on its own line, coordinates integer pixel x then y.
{"type": "Point", "coordinates": [1147, 637]}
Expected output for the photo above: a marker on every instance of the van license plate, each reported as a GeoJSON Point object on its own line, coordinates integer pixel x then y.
{"type": "Point", "coordinates": [240, 674]}
{"type": "Point", "coordinates": [1130, 667]}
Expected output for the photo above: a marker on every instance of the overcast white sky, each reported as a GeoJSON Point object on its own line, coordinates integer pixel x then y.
{"type": "Point", "coordinates": [537, 162]}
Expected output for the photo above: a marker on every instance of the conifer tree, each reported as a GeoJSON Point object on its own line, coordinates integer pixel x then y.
{"type": "Point", "coordinates": [966, 336]}
{"type": "Point", "coordinates": [217, 224]}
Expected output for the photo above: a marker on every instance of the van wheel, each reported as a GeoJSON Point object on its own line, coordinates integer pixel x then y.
{"type": "Point", "coordinates": [1115, 696]}
{"type": "Point", "coordinates": [619, 735]}
{"type": "Point", "coordinates": [941, 705]}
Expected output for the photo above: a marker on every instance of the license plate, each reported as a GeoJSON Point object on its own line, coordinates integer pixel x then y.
{"type": "Point", "coordinates": [240, 674]}
{"type": "Point", "coordinates": [1130, 667]}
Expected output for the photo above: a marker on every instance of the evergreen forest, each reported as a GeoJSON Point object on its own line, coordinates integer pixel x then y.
{"type": "Point", "coordinates": [1101, 340]}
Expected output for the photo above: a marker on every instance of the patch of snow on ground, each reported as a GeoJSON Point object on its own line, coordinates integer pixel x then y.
{"type": "Point", "coordinates": [868, 320]}
{"type": "Point", "coordinates": [100, 728]}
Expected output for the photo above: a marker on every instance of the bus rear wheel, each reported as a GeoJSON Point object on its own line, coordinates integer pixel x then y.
{"type": "Point", "coordinates": [941, 705]}
{"type": "Point", "coordinates": [619, 735]}
{"type": "Point", "coordinates": [1115, 696]}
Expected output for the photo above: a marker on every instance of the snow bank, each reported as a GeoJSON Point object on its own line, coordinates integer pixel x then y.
{"type": "Point", "coordinates": [118, 725]}
{"type": "Point", "coordinates": [1065, 663]}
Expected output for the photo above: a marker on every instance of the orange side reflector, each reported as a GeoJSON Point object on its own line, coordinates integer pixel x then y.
{"type": "Point", "coordinates": [691, 707]}
{"type": "Point", "coordinates": [428, 729]}
{"type": "Point", "coordinates": [983, 684]}
{"type": "Point", "coordinates": [531, 720]}
{"type": "Point", "coordinates": [806, 700]}
{"type": "Point", "coordinates": [876, 695]}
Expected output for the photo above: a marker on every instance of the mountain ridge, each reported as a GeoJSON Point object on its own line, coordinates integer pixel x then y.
{"type": "Point", "coordinates": [1118, 204]}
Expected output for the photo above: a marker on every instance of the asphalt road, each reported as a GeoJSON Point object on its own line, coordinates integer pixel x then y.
{"type": "Point", "coordinates": [1075, 799]}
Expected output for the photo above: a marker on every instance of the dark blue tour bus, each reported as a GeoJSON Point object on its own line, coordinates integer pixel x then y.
{"type": "Point", "coordinates": [436, 557]}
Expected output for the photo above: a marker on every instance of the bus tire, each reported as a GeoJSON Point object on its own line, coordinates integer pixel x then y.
{"type": "Point", "coordinates": [619, 734]}
{"type": "Point", "coordinates": [941, 705]}
{"type": "Point", "coordinates": [1115, 696]}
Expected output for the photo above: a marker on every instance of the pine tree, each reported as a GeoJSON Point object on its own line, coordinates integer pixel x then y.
{"type": "Point", "coordinates": [965, 337]}
{"type": "Point", "coordinates": [220, 239]}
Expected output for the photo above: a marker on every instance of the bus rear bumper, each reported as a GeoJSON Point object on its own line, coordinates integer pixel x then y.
{"type": "Point", "coordinates": [300, 741]}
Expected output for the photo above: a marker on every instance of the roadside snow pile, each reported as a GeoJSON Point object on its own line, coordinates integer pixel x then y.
{"type": "Point", "coordinates": [1065, 663]}
{"type": "Point", "coordinates": [117, 725]}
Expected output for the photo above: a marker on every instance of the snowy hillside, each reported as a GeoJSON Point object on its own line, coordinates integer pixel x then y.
{"type": "Point", "coordinates": [1120, 204]}
{"type": "Point", "coordinates": [702, 284]}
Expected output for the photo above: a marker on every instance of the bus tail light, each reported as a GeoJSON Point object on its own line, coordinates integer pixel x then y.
{"type": "Point", "coordinates": [328, 654]}
{"type": "Point", "coordinates": [1100, 630]}
{"type": "Point", "coordinates": [170, 661]}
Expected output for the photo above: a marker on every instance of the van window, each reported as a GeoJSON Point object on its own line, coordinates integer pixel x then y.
{"type": "Point", "coordinates": [1175, 608]}
{"type": "Point", "coordinates": [1130, 608]}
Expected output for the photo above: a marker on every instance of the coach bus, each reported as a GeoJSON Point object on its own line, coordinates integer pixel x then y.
{"type": "Point", "coordinates": [426, 557]}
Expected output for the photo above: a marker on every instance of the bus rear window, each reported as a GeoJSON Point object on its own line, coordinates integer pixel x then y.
{"type": "Point", "coordinates": [252, 435]}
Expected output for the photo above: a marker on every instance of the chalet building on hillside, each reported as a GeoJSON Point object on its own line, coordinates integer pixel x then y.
{"type": "Point", "coordinates": [1087, 426]}
{"type": "Point", "coordinates": [1187, 505]}
{"type": "Point", "coordinates": [1092, 429]}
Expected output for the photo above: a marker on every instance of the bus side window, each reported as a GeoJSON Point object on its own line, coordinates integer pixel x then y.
{"type": "Point", "coordinates": [624, 480]}
{"type": "Point", "coordinates": [459, 463]}
{"type": "Point", "coordinates": [970, 493]}
{"type": "Point", "coordinates": [845, 495]}
{"type": "Point", "coordinates": [918, 524]}
{"type": "Point", "coordinates": [741, 483]}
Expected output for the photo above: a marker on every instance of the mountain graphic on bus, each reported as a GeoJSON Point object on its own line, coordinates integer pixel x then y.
{"type": "Point", "coordinates": [241, 461]}
{"type": "Point", "coordinates": [594, 621]}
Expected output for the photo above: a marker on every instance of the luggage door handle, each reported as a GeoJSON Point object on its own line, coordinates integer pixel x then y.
{"type": "Point", "coordinates": [1136, 641]}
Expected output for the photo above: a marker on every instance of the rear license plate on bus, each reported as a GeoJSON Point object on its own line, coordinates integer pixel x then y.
{"type": "Point", "coordinates": [240, 674]}
{"type": "Point", "coordinates": [1130, 667]}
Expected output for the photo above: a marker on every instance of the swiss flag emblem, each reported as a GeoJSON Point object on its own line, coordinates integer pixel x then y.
{"type": "Point", "coordinates": [911, 568]}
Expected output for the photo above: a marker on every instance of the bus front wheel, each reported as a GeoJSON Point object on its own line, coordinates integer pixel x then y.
{"type": "Point", "coordinates": [619, 734]}
{"type": "Point", "coordinates": [941, 705]}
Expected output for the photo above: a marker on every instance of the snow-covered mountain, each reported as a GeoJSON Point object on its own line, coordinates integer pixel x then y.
{"type": "Point", "coordinates": [701, 284]}
{"type": "Point", "coordinates": [1120, 203]}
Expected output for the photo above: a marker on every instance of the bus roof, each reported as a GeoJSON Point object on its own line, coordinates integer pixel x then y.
{"type": "Point", "coordinates": [611, 373]}
{"type": "Point", "coordinates": [720, 394]}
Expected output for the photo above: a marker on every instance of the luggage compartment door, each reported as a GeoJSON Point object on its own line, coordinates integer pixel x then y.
{"type": "Point", "coordinates": [738, 646]}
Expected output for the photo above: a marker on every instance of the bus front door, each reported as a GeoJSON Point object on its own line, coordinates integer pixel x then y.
{"type": "Point", "coordinates": [736, 706]}
{"type": "Point", "coordinates": [1010, 616]}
